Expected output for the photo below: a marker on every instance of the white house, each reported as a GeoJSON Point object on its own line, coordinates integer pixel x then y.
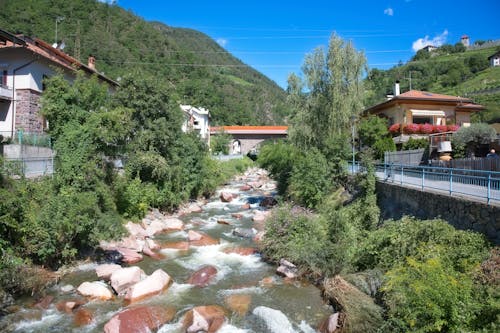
{"type": "Point", "coordinates": [197, 119]}
{"type": "Point", "coordinates": [494, 59]}
{"type": "Point", "coordinates": [24, 63]}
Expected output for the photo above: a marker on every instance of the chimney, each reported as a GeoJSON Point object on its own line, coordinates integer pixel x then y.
{"type": "Point", "coordinates": [396, 89]}
{"type": "Point", "coordinates": [91, 63]}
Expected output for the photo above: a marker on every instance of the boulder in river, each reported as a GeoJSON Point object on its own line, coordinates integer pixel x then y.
{"type": "Point", "coordinates": [139, 319]}
{"type": "Point", "coordinates": [226, 197]}
{"type": "Point", "coordinates": [104, 271]}
{"type": "Point", "coordinates": [154, 284]}
{"type": "Point", "coordinates": [287, 269]}
{"type": "Point", "coordinates": [329, 324]}
{"type": "Point", "coordinates": [207, 318]}
{"type": "Point", "coordinates": [200, 239]}
{"type": "Point", "coordinates": [96, 290]}
{"type": "Point", "coordinates": [129, 256]}
{"type": "Point", "coordinates": [69, 305]}
{"type": "Point", "coordinates": [275, 320]}
{"type": "Point", "coordinates": [238, 303]}
{"type": "Point", "coordinates": [181, 245]}
{"type": "Point", "coordinates": [126, 277]}
{"type": "Point", "coordinates": [83, 317]}
{"type": "Point", "coordinates": [268, 202]}
{"type": "Point", "coordinates": [244, 232]}
{"type": "Point", "coordinates": [136, 230]}
{"type": "Point", "coordinates": [203, 276]}
{"type": "Point", "coordinates": [243, 251]}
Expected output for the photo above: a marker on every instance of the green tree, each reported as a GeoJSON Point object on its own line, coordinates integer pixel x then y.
{"type": "Point", "coordinates": [220, 143]}
{"type": "Point", "coordinates": [475, 135]}
{"type": "Point", "coordinates": [333, 81]}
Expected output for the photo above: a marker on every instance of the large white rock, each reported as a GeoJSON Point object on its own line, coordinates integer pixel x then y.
{"type": "Point", "coordinates": [275, 320]}
{"type": "Point", "coordinates": [104, 271]}
{"type": "Point", "coordinates": [173, 223]}
{"type": "Point", "coordinates": [150, 286]}
{"type": "Point", "coordinates": [136, 230]}
{"type": "Point", "coordinates": [126, 277]}
{"type": "Point", "coordinates": [95, 289]}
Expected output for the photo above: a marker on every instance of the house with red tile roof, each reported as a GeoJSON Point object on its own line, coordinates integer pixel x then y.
{"type": "Point", "coordinates": [24, 63]}
{"type": "Point", "coordinates": [422, 107]}
{"type": "Point", "coordinates": [247, 138]}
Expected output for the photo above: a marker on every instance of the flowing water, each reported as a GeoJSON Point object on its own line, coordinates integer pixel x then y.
{"type": "Point", "coordinates": [280, 306]}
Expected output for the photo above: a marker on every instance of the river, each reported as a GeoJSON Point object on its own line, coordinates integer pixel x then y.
{"type": "Point", "coordinates": [298, 304]}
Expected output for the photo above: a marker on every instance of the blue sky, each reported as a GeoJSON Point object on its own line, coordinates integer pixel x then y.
{"type": "Point", "coordinates": [274, 36]}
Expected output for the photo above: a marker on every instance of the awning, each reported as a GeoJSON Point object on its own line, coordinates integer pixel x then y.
{"type": "Point", "coordinates": [429, 113]}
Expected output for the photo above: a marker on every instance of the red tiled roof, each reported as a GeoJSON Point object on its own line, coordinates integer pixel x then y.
{"type": "Point", "coordinates": [250, 129]}
{"type": "Point", "coordinates": [44, 49]}
{"type": "Point", "coordinates": [417, 96]}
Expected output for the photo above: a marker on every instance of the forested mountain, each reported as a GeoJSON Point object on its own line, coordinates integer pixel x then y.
{"type": "Point", "coordinates": [449, 70]}
{"type": "Point", "coordinates": [188, 60]}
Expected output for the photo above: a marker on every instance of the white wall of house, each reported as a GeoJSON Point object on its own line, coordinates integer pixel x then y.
{"type": "Point", "coordinates": [197, 119]}
{"type": "Point", "coordinates": [28, 77]}
{"type": "Point", "coordinates": [495, 60]}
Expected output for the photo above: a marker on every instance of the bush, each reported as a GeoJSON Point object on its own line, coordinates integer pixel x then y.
{"type": "Point", "coordinates": [416, 144]}
{"type": "Point", "coordinates": [428, 296]}
{"type": "Point", "coordinates": [382, 145]}
{"type": "Point", "coordinates": [278, 159]}
{"type": "Point", "coordinates": [297, 236]}
{"type": "Point", "coordinates": [310, 179]}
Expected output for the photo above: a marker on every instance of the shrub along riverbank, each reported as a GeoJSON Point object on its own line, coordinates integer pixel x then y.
{"type": "Point", "coordinates": [382, 276]}
{"type": "Point", "coordinates": [51, 221]}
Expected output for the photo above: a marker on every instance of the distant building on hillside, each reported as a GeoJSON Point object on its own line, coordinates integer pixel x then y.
{"type": "Point", "coordinates": [494, 59]}
{"type": "Point", "coordinates": [429, 48]}
{"type": "Point", "coordinates": [465, 40]}
{"type": "Point", "coordinates": [24, 63]}
{"type": "Point", "coordinates": [197, 119]}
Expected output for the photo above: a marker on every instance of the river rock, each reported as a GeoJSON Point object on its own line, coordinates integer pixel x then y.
{"type": "Point", "coordinates": [69, 305]}
{"type": "Point", "coordinates": [156, 227]}
{"type": "Point", "coordinates": [244, 232]}
{"type": "Point", "coordinates": [259, 236]}
{"type": "Point", "coordinates": [139, 319]}
{"type": "Point", "coordinates": [245, 188]}
{"type": "Point", "coordinates": [183, 246]}
{"type": "Point", "coordinates": [260, 216]}
{"type": "Point", "coordinates": [268, 202]}
{"type": "Point", "coordinates": [153, 285]}
{"type": "Point", "coordinates": [83, 317]}
{"type": "Point", "coordinates": [245, 206]}
{"type": "Point", "coordinates": [104, 271]}
{"type": "Point", "coordinates": [129, 256]}
{"type": "Point", "coordinates": [238, 303]}
{"type": "Point", "coordinates": [243, 251]}
{"type": "Point", "coordinates": [95, 289]}
{"type": "Point", "coordinates": [126, 277]}
{"type": "Point", "coordinates": [67, 288]}
{"type": "Point", "coordinates": [150, 253]}
{"type": "Point", "coordinates": [203, 276]}
{"type": "Point", "coordinates": [44, 302]}
{"type": "Point", "coordinates": [200, 239]}
{"type": "Point", "coordinates": [220, 221]}
{"type": "Point", "coordinates": [136, 230]}
{"type": "Point", "coordinates": [275, 320]}
{"type": "Point", "coordinates": [204, 318]}
{"type": "Point", "coordinates": [226, 197]}
{"type": "Point", "coordinates": [152, 244]}
{"type": "Point", "coordinates": [237, 215]}
{"type": "Point", "coordinates": [173, 224]}
{"type": "Point", "coordinates": [330, 324]}
{"type": "Point", "coordinates": [287, 269]}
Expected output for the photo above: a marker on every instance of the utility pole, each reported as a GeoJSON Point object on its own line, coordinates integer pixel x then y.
{"type": "Point", "coordinates": [58, 20]}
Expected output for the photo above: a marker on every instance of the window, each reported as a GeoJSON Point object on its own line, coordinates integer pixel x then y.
{"type": "Point", "coordinates": [423, 120]}
{"type": "Point", "coordinates": [3, 78]}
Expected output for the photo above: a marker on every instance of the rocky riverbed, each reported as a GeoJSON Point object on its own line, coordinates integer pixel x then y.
{"type": "Point", "coordinates": [197, 270]}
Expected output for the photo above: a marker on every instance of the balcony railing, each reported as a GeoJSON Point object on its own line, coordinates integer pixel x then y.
{"type": "Point", "coordinates": [5, 92]}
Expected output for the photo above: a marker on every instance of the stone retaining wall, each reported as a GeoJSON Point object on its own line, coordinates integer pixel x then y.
{"type": "Point", "coordinates": [395, 201]}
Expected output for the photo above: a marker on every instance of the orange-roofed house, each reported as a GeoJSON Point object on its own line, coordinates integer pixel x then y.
{"type": "Point", "coordinates": [247, 138]}
{"type": "Point", "coordinates": [24, 63]}
{"type": "Point", "coordinates": [422, 107]}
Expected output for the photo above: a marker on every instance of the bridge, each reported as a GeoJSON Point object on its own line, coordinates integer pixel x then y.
{"type": "Point", "coordinates": [467, 199]}
{"type": "Point", "coordinates": [246, 138]}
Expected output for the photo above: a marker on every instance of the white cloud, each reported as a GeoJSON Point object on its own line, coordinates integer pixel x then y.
{"type": "Point", "coordinates": [436, 41]}
{"type": "Point", "coordinates": [222, 41]}
{"type": "Point", "coordinates": [389, 11]}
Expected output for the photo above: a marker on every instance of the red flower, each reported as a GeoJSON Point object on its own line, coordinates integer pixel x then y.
{"type": "Point", "coordinates": [412, 128]}
{"type": "Point", "coordinates": [395, 128]}
{"type": "Point", "coordinates": [440, 128]}
{"type": "Point", "coordinates": [453, 128]}
{"type": "Point", "coordinates": [426, 128]}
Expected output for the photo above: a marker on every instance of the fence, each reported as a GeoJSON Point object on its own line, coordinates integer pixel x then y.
{"type": "Point", "coordinates": [474, 184]}
{"type": "Point", "coordinates": [477, 163]}
{"type": "Point", "coordinates": [406, 157]}
{"type": "Point", "coordinates": [29, 167]}
{"type": "Point", "coordinates": [26, 138]}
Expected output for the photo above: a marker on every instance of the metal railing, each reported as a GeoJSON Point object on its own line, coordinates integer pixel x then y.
{"type": "Point", "coordinates": [27, 138]}
{"type": "Point", "coordinates": [472, 184]}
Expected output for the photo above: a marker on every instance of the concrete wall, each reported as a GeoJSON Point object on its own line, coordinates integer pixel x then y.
{"type": "Point", "coordinates": [396, 201]}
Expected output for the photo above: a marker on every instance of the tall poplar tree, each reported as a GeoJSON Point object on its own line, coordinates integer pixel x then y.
{"type": "Point", "coordinates": [331, 96]}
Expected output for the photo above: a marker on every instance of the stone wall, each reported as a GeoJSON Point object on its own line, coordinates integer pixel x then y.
{"type": "Point", "coordinates": [27, 111]}
{"type": "Point", "coordinates": [396, 201]}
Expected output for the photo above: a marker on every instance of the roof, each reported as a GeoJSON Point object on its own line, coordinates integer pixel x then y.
{"type": "Point", "coordinates": [47, 51]}
{"type": "Point", "coordinates": [494, 54]}
{"type": "Point", "coordinates": [420, 97]}
{"type": "Point", "coordinates": [189, 109]}
{"type": "Point", "coordinates": [250, 129]}
{"type": "Point", "coordinates": [464, 36]}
